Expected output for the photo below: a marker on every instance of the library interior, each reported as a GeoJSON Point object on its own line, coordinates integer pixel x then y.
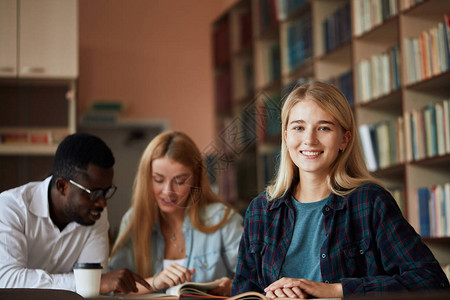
{"type": "Point", "coordinates": [219, 71]}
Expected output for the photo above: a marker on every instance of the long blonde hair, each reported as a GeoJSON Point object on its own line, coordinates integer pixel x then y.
{"type": "Point", "coordinates": [349, 170]}
{"type": "Point", "coordinates": [180, 148]}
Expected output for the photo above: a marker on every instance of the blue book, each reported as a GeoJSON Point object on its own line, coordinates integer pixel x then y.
{"type": "Point", "coordinates": [424, 211]}
{"type": "Point", "coordinates": [433, 129]}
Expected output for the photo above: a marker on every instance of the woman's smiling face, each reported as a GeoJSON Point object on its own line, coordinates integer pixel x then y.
{"type": "Point", "coordinates": [313, 138]}
{"type": "Point", "coordinates": [172, 182]}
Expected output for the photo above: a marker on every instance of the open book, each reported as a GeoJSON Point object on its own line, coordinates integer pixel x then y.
{"type": "Point", "coordinates": [175, 292]}
{"type": "Point", "coordinates": [243, 296]}
{"type": "Point", "coordinates": [199, 291]}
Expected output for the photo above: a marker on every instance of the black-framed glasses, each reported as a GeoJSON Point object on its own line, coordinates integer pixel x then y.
{"type": "Point", "coordinates": [96, 194]}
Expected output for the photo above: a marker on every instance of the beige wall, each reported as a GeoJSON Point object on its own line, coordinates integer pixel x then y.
{"type": "Point", "coordinates": [155, 55]}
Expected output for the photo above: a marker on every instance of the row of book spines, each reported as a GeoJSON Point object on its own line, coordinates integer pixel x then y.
{"type": "Point", "coordinates": [337, 28]}
{"type": "Point", "coordinates": [269, 112]}
{"type": "Point", "coordinates": [429, 54]}
{"type": "Point", "coordinates": [383, 143]}
{"type": "Point", "coordinates": [247, 83]}
{"type": "Point", "coordinates": [262, 121]}
{"type": "Point", "coordinates": [379, 75]}
{"type": "Point", "coordinates": [271, 62]}
{"type": "Point", "coordinates": [223, 90]}
{"type": "Point", "coordinates": [221, 38]}
{"type": "Point", "coordinates": [299, 44]}
{"type": "Point", "coordinates": [434, 210]}
{"type": "Point", "coordinates": [427, 131]}
{"type": "Point", "coordinates": [370, 13]}
{"type": "Point", "coordinates": [268, 14]}
{"type": "Point", "coordinates": [286, 8]}
{"type": "Point", "coordinates": [344, 82]}
{"type": "Point", "coordinates": [245, 29]}
{"type": "Point", "coordinates": [269, 162]}
{"type": "Point", "coordinates": [35, 137]}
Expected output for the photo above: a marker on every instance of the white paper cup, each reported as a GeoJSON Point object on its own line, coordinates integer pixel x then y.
{"type": "Point", "coordinates": [87, 279]}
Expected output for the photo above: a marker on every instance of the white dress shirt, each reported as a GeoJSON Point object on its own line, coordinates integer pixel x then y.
{"type": "Point", "coordinates": [34, 253]}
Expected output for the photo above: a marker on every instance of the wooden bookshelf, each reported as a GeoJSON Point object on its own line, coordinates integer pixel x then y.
{"type": "Point", "coordinates": [370, 60]}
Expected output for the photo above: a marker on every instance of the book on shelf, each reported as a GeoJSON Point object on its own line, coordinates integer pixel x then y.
{"type": "Point", "coordinates": [382, 132]}
{"type": "Point", "coordinates": [40, 137]}
{"type": "Point", "coordinates": [286, 8]}
{"type": "Point", "coordinates": [382, 143]}
{"type": "Point", "coordinates": [33, 137]}
{"type": "Point", "coordinates": [370, 13]}
{"type": "Point", "coordinates": [15, 137]}
{"type": "Point", "coordinates": [429, 53]}
{"type": "Point", "coordinates": [429, 115]}
{"type": "Point", "coordinates": [337, 28]}
{"type": "Point", "coordinates": [245, 28]}
{"type": "Point", "coordinates": [299, 46]}
{"type": "Point", "coordinates": [267, 13]}
{"type": "Point", "coordinates": [221, 37]}
{"type": "Point", "coordinates": [369, 147]}
{"type": "Point", "coordinates": [379, 75]}
{"type": "Point", "coordinates": [434, 210]}
{"type": "Point", "coordinates": [223, 90]}
{"type": "Point", "coordinates": [427, 132]}
{"type": "Point", "coordinates": [446, 122]}
{"type": "Point", "coordinates": [440, 129]}
{"type": "Point", "coordinates": [423, 196]}
{"type": "Point", "coordinates": [344, 82]}
{"type": "Point", "coordinates": [401, 149]}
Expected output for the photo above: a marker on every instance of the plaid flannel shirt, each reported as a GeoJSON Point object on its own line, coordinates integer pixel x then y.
{"type": "Point", "coordinates": [369, 247]}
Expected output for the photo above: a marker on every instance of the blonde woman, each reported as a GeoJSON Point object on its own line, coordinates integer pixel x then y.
{"type": "Point", "coordinates": [177, 229]}
{"type": "Point", "coordinates": [325, 228]}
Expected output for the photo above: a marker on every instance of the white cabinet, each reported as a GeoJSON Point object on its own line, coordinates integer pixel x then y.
{"type": "Point", "coordinates": [43, 35]}
{"type": "Point", "coordinates": [8, 38]}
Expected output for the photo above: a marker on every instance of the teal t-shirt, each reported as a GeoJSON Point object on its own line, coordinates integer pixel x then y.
{"type": "Point", "coordinates": [303, 256]}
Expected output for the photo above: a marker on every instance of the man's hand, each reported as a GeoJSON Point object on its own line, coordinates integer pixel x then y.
{"type": "Point", "coordinates": [122, 281]}
{"type": "Point", "coordinates": [224, 287]}
{"type": "Point", "coordinates": [303, 288]}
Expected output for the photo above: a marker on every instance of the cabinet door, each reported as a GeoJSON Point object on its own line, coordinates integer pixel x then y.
{"type": "Point", "coordinates": [8, 38]}
{"type": "Point", "coordinates": [48, 39]}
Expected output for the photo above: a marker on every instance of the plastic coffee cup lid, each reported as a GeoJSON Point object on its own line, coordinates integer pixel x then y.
{"type": "Point", "coordinates": [87, 266]}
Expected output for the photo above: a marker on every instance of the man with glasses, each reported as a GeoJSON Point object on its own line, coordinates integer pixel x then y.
{"type": "Point", "coordinates": [46, 227]}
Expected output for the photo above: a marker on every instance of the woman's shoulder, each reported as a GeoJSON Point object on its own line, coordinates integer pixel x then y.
{"type": "Point", "coordinates": [214, 212]}
{"type": "Point", "coordinates": [262, 203]}
{"type": "Point", "coordinates": [214, 208]}
{"type": "Point", "coordinates": [371, 188]}
{"type": "Point", "coordinates": [369, 193]}
{"type": "Point", "coordinates": [128, 214]}
{"type": "Point", "coordinates": [126, 219]}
